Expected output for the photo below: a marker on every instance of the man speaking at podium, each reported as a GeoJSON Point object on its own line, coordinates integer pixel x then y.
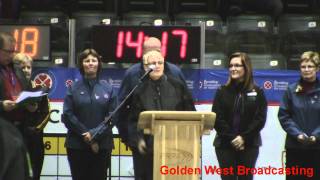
{"type": "Point", "coordinates": [131, 79]}
{"type": "Point", "coordinates": [159, 91]}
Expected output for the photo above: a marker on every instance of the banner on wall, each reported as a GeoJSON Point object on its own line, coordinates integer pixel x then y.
{"type": "Point", "coordinates": [202, 83]}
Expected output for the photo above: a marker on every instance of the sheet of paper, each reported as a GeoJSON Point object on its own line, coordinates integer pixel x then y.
{"type": "Point", "coordinates": [28, 94]}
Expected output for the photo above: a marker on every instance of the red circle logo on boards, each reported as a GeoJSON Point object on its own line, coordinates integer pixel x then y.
{"type": "Point", "coordinates": [267, 85]}
{"type": "Point", "coordinates": [68, 82]}
{"type": "Point", "coordinates": [43, 79]}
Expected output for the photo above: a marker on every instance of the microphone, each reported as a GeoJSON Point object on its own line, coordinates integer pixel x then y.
{"type": "Point", "coordinates": [151, 67]}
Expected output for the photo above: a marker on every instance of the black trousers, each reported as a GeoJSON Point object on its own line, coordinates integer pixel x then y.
{"type": "Point", "coordinates": [228, 157]}
{"type": "Point", "coordinates": [84, 164]}
{"type": "Point", "coordinates": [34, 143]}
{"type": "Point", "coordinates": [307, 161]}
{"type": "Point", "coordinates": [143, 165]}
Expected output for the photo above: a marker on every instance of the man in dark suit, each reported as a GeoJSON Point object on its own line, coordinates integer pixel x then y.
{"type": "Point", "coordinates": [131, 79]}
{"type": "Point", "coordinates": [12, 82]}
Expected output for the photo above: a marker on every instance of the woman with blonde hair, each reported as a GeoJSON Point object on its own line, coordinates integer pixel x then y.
{"type": "Point", "coordinates": [33, 128]}
{"type": "Point", "coordinates": [299, 116]}
{"type": "Point", "coordinates": [25, 63]}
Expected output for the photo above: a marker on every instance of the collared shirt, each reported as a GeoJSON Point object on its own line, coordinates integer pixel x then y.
{"type": "Point", "coordinates": [12, 88]}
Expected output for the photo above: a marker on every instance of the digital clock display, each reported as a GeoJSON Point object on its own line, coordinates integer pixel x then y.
{"type": "Point", "coordinates": [33, 40]}
{"type": "Point", "coordinates": [124, 44]}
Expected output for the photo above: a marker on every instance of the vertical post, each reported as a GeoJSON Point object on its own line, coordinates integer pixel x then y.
{"type": "Point", "coordinates": [202, 44]}
{"type": "Point", "coordinates": [72, 43]}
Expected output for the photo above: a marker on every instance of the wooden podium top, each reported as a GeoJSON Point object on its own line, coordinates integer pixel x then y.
{"type": "Point", "coordinates": [205, 119]}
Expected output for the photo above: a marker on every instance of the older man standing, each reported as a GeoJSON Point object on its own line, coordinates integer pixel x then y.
{"type": "Point", "coordinates": [12, 82]}
{"type": "Point", "coordinates": [131, 79]}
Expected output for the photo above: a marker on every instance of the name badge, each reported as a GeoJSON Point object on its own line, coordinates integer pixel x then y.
{"type": "Point", "coordinates": [252, 94]}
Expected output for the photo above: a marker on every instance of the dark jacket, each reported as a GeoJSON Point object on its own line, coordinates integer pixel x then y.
{"type": "Point", "coordinates": [165, 94]}
{"type": "Point", "coordinates": [85, 107]}
{"type": "Point", "coordinates": [26, 85]}
{"type": "Point", "coordinates": [130, 80]}
{"type": "Point", "coordinates": [13, 154]}
{"type": "Point", "coordinates": [41, 116]}
{"type": "Point", "coordinates": [253, 113]}
{"type": "Point", "coordinates": [300, 113]}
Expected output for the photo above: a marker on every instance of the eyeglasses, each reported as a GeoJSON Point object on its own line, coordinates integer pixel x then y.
{"type": "Point", "coordinates": [235, 65]}
{"type": "Point", "coordinates": [156, 62]}
{"type": "Point", "coordinates": [8, 51]}
{"type": "Point", "coordinates": [307, 67]}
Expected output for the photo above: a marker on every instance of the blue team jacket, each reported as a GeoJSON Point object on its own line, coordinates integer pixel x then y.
{"type": "Point", "coordinates": [84, 108]}
{"type": "Point", "coordinates": [300, 113]}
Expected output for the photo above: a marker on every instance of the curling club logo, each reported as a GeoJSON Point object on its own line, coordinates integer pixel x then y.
{"type": "Point", "coordinates": [68, 82]}
{"type": "Point", "coordinates": [43, 79]}
{"type": "Point", "coordinates": [267, 85]}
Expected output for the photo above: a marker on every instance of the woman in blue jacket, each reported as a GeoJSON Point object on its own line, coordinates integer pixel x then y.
{"type": "Point", "coordinates": [87, 103]}
{"type": "Point", "coordinates": [299, 116]}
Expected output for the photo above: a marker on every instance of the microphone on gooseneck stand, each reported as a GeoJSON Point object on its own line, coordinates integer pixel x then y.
{"type": "Point", "coordinates": [151, 67]}
{"type": "Point", "coordinates": [108, 120]}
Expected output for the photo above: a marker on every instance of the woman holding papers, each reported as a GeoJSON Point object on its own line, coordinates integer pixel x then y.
{"type": "Point", "coordinates": [299, 116]}
{"type": "Point", "coordinates": [241, 110]}
{"type": "Point", "coordinates": [33, 128]}
{"type": "Point", "coordinates": [86, 104]}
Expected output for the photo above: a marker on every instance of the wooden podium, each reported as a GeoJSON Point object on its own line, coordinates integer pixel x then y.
{"type": "Point", "coordinates": [177, 138]}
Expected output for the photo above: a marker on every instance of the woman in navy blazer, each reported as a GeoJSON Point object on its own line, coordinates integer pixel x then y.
{"type": "Point", "coordinates": [299, 116]}
{"type": "Point", "coordinates": [87, 103]}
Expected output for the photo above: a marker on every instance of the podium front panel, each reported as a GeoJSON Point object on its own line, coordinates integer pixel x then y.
{"type": "Point", "coordinates": [176, 150]}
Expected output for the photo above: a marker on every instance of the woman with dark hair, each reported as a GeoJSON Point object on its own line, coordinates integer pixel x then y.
{"type": "Point", "coordinates": [241, 110]}
{"type": "Point", "coordinates": [299, 116]}
{"type": "Point", "coordinates": [87, 103]}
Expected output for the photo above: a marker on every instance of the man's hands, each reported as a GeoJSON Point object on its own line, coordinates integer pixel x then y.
{"type": "Point", "coordinates": [238, 143]}
{"type": "Point", "coordinates": [9, 105]}
{"type": "Point", "coordinates": [142, 146]}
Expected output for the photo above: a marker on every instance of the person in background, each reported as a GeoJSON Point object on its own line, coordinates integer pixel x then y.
{"type": "Point", "coordinates": [131, 79]}
{"type": "Point", "coordinates": [33, 129]}
{"type": "Point", "coordinates": [241, 110]}
{"type": "Point", "coordinates": [86, 104]}
{"type": "Point", "coordinates": [299, 116]}
{"type": "Point", "coordinates": [159, 91]}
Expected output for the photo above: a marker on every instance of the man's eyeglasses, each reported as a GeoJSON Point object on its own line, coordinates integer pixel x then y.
{"type": "Point", "coordinates": [8, 51]}
{"type": "Point", "coordinates": [156, 62]}
{"type": "Point", "coordinates": [307, 67]}
{"type": "Point", "coordinates": [235, 65]}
